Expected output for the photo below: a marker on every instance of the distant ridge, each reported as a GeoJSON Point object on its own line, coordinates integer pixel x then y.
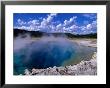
{"type": "Point", "coordinates": [23, 33]}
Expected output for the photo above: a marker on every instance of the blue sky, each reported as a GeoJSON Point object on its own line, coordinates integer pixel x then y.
{"type": "Point", "coordinates": [76, 23]}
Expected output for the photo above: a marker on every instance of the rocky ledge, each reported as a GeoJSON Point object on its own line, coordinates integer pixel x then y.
{"type": "Point", "coordinates": [83, 68]}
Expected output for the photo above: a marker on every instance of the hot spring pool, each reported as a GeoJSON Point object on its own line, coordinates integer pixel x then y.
{"type": "Point", "coordinates": [44, 53]}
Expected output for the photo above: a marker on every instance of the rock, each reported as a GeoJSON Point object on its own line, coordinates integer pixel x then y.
{"type": "Point", "coordinates": [27, 72]}
{"type": "Point", "coordinates": [94, 56]}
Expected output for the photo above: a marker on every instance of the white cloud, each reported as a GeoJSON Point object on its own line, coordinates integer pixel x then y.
{"type": "Point", "coordinates": [71, 20]}
{"type": "Point", "coordinates": [59, 26]}
{"type": "Point", "coordinates": [83, 28]}
{"type": "Point", "coordinates": [66, 26]}
{"type": "Point", "coordinates": [92, 25]}
{"type": "Point", "coordinates": [65, 22]}
{"type": "Point", "coordinates": [43, 23]}
{"type": "Point", "coordinates": [53, 28]}
{"type": "Point", "coordinates": [48, 25]}
{"type": "Point", "coordinates": [34, 22]}
{"type": "Point", "coordinates": [20, 22]}
{"type": "Point", "coordinates": [23, 27]}
{"type": "Point", "coordinates": [74, 27]}
{"type": "Point", "coordinates": [53, 14]}
{"type": "Point", "coordinates": [48, 20]}
{"type": "Point", "coordinates": [29, 28]}
{"type": "Point", "coordinates": [89, 26]}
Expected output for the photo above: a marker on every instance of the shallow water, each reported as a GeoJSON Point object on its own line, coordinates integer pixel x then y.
{"type": "Point", "coordinates": [44, 53]}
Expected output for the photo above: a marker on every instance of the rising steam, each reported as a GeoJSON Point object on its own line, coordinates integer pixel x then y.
{"type": "Point", "coordinates": [44, 52]}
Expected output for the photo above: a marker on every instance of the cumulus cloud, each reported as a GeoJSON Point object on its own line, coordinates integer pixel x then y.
{"type": "Point", "coordinates": [34, 22]}
{"type": "Point", "coordinates": [48, 20]}
{"type": "Point", "coordinates": [74, 27]}
{"type": "Point", "coordinates": [92, 25]}
{"type": "Point", "coordinates": [50, 17]}
{"type": "Point", "coordinates": [20, 22]}
{"type": "Point", "coordinates": [59, 26]}
{"type": "Point", "coordinates": [48, 24]}
{"type": "Point", "coordinates": [89, 28]}
{"type": "Point", "coordinates": [71, 20]}
{"type": "Point", "coordinates": [67, 25]}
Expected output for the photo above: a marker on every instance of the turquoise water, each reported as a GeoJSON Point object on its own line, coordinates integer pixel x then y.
{"type": "Point", "coordinates": [44, 54]}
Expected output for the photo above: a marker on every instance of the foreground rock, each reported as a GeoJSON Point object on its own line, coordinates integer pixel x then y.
{"type": "Point", "coordinates": [83, 68]}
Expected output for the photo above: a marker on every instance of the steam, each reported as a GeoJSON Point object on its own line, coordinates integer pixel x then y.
{"type": "Point", "coordinates": [44, 52]}
{"type": "Point", "coordinates": [20, 42]}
